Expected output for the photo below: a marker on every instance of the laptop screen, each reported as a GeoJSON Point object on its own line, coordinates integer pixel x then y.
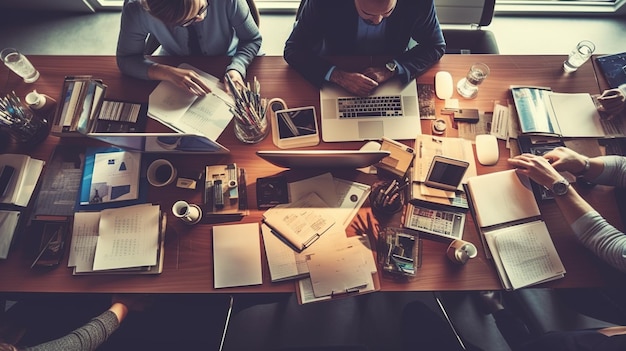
{"type": "Point", "coordinates": [323, 158]}
{"type": "Point", "coordinates": [161, 142]}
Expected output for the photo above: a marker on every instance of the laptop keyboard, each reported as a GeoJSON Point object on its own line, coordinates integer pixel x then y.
{"type": "Point", "coordinates": [370, 106]}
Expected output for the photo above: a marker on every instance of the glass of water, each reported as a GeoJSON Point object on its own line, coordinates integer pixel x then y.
{"type": "Point", "coordinates": [19, 64]}
{"type": "Point", "coordinates": [579, 55]}
{"type": "Point", "coordinates": [468, 86]}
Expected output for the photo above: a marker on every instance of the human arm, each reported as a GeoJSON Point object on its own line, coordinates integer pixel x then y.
{"type": "Point", "coordinates": [136, 24]}
{"type": "Point", "coordinates": [592, 230]}
{"type": "Point", "coordinates": [248, 39]}
{"type": "Point", "coordinates": [91, 335]}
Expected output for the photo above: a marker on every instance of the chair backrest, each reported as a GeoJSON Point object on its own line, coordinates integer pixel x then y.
{"type": "Point", "coordinates": [254, 10]}
{"type": "Point", "coordinates": [471, 12]}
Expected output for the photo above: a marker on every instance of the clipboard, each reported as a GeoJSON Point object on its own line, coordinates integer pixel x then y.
{"type": "Point", "coordinates": [304, 287]}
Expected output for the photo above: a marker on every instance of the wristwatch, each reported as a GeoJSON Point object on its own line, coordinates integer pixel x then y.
{"type": "Point", "coordinates": [585, 168]}
{"type": "Point", "coordinates": [560, 187]}
{"type": "Point", "coordinates": [391, 66]}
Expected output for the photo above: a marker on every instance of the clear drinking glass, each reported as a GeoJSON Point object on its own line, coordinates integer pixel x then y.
{"type": "Point", "coordinates": [250, 130]}
{"type": "Point", "coordinates": [19, 121]}
{"type": "Point", "coordinates": [578, 56]}
{"type": "Point", "coordinates": [19, 64]}
{"type": "Point", "coordinates": [468, 86]}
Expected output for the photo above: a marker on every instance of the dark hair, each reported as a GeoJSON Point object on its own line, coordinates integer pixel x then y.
{"type": "Point", "coordinates": [171, 12]}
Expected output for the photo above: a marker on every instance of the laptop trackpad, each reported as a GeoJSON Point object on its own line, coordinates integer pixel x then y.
{"type": "Point", "coordinates": [371, 129]}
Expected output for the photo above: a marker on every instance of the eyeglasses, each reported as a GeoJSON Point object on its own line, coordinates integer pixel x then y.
{"type": "Point", "coordinates": [201, 13]}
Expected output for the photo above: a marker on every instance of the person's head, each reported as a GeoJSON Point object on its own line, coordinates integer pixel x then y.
{"type": "Point", "coordinates": [177, 12]}
{"type": "Point", "coordinates": [374, 11]}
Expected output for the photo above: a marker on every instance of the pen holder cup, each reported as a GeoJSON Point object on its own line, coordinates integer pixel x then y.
{"type": "Point", "coordinates": [386, 198]}
{"type": "Point", "coordinates": [21, 123]}
{"type": "Point", "coordinates": [249, 129]}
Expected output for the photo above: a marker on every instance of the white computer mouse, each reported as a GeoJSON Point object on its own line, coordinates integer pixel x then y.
{"type": "Point", "coordinates": [444, 86]}
{"type": "Point", "coordinates": [487, 151]}
{"type": "Point", "coordinates": [371, 146]}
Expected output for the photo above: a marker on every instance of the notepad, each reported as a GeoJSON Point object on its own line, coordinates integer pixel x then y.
{"type": "Point", "coordinates": [236, 255]}
{"type": "Point", "coordinates": [512, 229]}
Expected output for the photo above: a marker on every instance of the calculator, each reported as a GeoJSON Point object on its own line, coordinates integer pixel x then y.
{"type": "Point", "coordinates": [446, 223]}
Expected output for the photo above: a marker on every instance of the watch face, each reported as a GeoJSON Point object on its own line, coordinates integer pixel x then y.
{"type": "Point", "coordinates": [560, 187]}
{"type": "Point", "coordinates": [391, 66]}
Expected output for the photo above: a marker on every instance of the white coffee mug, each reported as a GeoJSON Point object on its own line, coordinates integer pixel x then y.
{"type": "Point", "coordinates": [161, 172]}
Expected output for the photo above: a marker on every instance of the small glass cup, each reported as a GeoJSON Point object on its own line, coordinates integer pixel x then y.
{"type": "Point", "coordinates": [386, 198]}
{"type": "Point", "coordinates": [250, 130]}
{"type": "Point", "coordinates": [578, 56]}
{"type": "Point", "coordinates": [468, 86]}
{"type": "Point", "coordinates": [19, 64]}
{"type": "Point", "coordinates": [19, 121]}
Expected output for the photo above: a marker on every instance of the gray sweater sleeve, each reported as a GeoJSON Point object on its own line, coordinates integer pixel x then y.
{"type": "Point", "coordinates": [88, 337]}
{"type": "Point", "coordinates": [594, 232]}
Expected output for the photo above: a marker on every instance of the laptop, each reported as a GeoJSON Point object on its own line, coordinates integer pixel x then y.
{"type": "Point", "coordinates": [323, 158]}
{"type": "Point", "coordinates": [162, 142]}
{"type": "Point", "coordinates": [392, 111]}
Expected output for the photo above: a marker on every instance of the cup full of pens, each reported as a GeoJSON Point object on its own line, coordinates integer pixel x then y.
{"type": "Point", "coordinates": [248, 112]}
{"type": "Point", "coordinates": [19, 121]}
{"type": "Point", "coordinates": [387, 196]}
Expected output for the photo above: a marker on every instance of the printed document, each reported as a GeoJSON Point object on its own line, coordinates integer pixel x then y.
{"type": "Point", "coordinates": [345, 197]}
{"type": "Point", "coordinates": [187, 113]}
{"type": "Point", "coordinates": [526, 254]}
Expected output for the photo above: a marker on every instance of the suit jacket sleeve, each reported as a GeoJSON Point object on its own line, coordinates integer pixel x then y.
{"type": "Point", "coordinates": [326, 28]}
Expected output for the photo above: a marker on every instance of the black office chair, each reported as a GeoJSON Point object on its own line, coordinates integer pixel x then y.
{"type": "Point", "coordinates": [455, 15]}
{"type": "Point", "coordinates": [473, 13]}
{"type": "Point", "coordinates": [152, 43]}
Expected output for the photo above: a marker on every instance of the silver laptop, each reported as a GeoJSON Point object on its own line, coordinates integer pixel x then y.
{"type": "Point", "coordinates": [323, 158]}
{"type": "Point", "coordinates": [392, 111]}
{"type": "Point", "coordinates": [162, 142]}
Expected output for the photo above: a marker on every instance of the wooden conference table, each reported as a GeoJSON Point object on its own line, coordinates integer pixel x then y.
{"type": "Point", "coordinates": [188, 263]}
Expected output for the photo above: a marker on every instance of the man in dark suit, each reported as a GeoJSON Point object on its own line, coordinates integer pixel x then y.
{"type": "Point", "coordinates": [408, 31]}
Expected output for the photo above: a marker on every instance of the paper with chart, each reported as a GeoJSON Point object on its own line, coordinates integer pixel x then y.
{"type": "Point", "coordinates": [187, 113]}
{"type": "Point", "coordinates": [302, 222]}
{"type": "Point", "coordinates": [127, 237]}
{"type": "Point", "coordinates": [113, 177]}
{"type": "Point", "coordinates": [525, 255]}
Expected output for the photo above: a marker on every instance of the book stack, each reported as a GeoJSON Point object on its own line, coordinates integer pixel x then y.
{"type": "Point", "coordinates": [83, 109]}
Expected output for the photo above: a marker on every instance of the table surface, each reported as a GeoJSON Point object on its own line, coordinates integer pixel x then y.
{"type": "Point", "coordinates": [188, 265]}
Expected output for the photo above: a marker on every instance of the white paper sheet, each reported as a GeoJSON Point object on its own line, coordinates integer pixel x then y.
{"type": "Point", "coordinates": [236, 255]}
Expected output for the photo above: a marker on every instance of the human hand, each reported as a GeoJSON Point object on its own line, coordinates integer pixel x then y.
{"type": "Point", "coordinates": [536, 168]}
{"type": "Point", "coordinates": [185, 79]}
{"type": "Point", "coordinates": [135, 302]}
{"type": "Point", "coordinates": [236, 78]}
{"type": "Point", "coordinates": [379, 74]}
{"type": "Point", "coordinates": [565, 159]}
{"type": "Point", "coordinates": [356, 83]}
{"type": "Point", "coordinates": [612, 101]}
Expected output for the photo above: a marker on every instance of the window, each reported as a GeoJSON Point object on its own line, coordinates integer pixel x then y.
{"type": "Point", "coordinates": [502, 6]}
